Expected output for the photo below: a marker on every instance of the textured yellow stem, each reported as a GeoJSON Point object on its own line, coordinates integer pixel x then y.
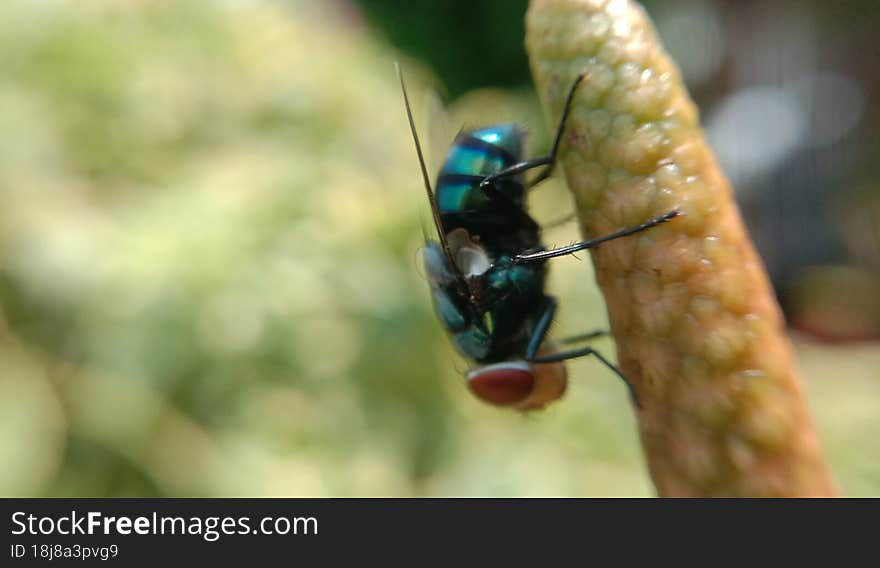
{"type": "Point", "coordinates": [697, 327]}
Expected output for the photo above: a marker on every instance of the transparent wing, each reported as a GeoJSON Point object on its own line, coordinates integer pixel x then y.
{"type": "Point", "coordinates": [431, 123]}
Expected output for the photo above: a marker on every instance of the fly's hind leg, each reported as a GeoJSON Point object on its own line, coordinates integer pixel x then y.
{"type": "Point", "coordinates": [549, 160]}
{"type": "Point", "coordinates": [539, 334]}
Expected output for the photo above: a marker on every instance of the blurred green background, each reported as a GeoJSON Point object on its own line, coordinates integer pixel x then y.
{"type": "Point", "coordinates": [210, 227]}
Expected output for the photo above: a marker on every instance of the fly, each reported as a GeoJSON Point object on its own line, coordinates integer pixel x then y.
{"type": "Point", "coordinates": [488, 268]}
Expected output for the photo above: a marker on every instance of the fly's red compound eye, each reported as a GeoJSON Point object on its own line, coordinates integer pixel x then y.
{"type": "Point", "coordinates": [502, 384]}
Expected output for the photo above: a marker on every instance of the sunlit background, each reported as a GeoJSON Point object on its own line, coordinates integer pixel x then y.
{"type": "Point", "coordinates": [211, 217]}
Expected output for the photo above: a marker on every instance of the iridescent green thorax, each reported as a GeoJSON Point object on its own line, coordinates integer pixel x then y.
{"type": "Point", "coordinates": [497, 328]}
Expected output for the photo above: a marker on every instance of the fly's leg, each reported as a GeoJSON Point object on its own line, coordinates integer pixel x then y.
{"type": "Point", "coordinates": [548, 161]}
{"type": "Point", "coordinates": [585, 336]}
{"type": "Point", "coordinates": [539, 333]}
{"type": "Point", "coordinates": [583, 352]}
{"type": "Point", "coordinates": [592, 243]}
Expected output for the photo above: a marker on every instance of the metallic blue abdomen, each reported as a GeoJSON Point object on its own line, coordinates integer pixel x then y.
{"type": "Point", "coordinates": [473, 156]}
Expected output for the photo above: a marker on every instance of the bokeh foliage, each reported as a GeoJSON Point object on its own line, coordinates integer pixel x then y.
{"type": "Point", "coordinates": [208, 275]}
{"type": "Point", "coordinates": [469, 44]}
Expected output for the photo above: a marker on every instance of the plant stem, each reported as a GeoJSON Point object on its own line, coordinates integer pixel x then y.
{"type": "Point", "coordinates": [695, 320]}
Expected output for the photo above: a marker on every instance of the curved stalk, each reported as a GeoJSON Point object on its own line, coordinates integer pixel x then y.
{"type": "Point", "coordinates": [695, 320]}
